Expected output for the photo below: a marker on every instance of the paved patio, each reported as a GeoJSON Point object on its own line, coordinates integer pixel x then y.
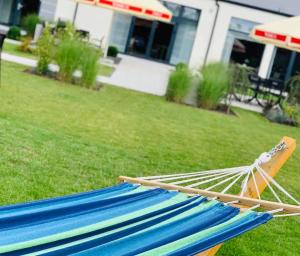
{"type": "Point", "coordinates": [140, 75]}
{"type": "Point", "coordinates": [132, 73]}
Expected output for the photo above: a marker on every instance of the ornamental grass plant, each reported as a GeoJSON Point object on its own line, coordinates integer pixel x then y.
{"type": "Point", "coordinates": [180, 81]}
{"type": "Point", "coordinates": [214, 85]}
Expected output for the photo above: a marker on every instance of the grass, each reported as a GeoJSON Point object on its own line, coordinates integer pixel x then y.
{"type": "Point", "coordinates": [57, 139]}
{"type": "Point", "coordinates": [13, 49]}
{"type": "Point", "coordinates": [106, 70]}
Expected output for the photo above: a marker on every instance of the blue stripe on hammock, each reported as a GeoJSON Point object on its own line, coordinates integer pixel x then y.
{"type": "Point", "coordinates": [107, 192]}
{"type": "Point", "coordinates": [105, 209]}
{"type": "Point", "coordinates": [53, 216]}
{"type": "Point", "coordinates": [133, 244]}
{"type": "Point", "coordinates": [187, 204]}
{"type": "Point", "coordinates": [252, 221]}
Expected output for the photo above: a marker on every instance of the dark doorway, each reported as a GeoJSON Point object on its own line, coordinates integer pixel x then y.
{"type": "Point", "coordinates": [29, 7]}
{"type": "Point", "coordinates": [150, 39]}
{"type": "Point", "coordinates": [161, 41]}
{"type": "Point", "coordinates": [138, 42]}
{"type": "Point", "coordinates": [247, 52]}
{"type": "Point", "coordinates": [281, 64]}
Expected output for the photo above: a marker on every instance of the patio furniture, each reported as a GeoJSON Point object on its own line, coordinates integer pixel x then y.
{"type": "Point", "coordinates": [265, 92]}
{"type": "Point", "coordinates": [157, 215]}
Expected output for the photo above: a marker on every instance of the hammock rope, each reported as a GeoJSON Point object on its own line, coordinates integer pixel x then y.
{"type": "Point", "coordinates": [230, 177]}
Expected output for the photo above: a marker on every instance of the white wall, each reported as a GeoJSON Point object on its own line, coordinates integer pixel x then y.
{"type": "Point", "coordinates": [95, 20]}
{"type": "Point", "coordinates": [48, 9]}
{"type": "Point", "coordinates": [65, 10]}
{"type": "Point", "coordinates": [89, 18]}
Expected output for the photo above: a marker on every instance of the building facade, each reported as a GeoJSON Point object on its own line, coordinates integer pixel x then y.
{"type": "Point", "coordinates": [201, 31]}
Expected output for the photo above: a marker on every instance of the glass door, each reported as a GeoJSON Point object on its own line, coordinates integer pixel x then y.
{"type": "Point", "coordinates": [140, 37]}
{"type": "Point", "coordinates": [161, 41]}
{"type": "Point", "coordinates": [150, 39]}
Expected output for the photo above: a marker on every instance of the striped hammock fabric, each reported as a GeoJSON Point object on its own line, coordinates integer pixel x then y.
{"type": "Point", "coordinates": [125, 219]}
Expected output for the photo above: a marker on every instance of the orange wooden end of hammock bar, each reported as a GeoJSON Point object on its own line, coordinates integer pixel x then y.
{"type": "Point", "coordinates": [272, 168]}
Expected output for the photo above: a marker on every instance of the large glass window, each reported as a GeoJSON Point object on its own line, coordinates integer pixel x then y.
{"type": "Point", "coordinates": [186, 24]}
{"type": "Point", "coordinates": [191, 13]}
{"type": "Point", "coordinates": [184, 42]}
{"type": "Point", "coordinates": [120, 30]}
{"type": "Point", "coordinates": [5, 11]}
{"type": "Point", "coordinates": [247, 53]}
{"type": "Point", "coordinates": [239, 47]}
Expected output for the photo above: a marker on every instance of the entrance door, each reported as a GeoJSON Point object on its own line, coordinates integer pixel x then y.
{"type": "Point", "coordinates": [161, 41]}
{"type": "Point", "coordinates": [139, 39]}
{"type": "Point", "coordinates": [150, 39]}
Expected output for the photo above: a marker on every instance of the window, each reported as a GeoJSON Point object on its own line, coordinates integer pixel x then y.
{"type": "Point", "coordinates": [239, 47]}
{"type": "Point", "coordinates": [184, 42]}
{"type": "Point", "coordinates": [174, 8]}
{"type": "Point", "coordinates": [191, 13]}
{"type": "Point", "coordinates": [120, 30]}
{"type": "Point", "coordinates": [5, 11]}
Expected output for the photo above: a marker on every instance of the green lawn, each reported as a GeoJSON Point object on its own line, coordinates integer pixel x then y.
{"type": "Point", "coordinates": [106, 70]}
{"type": "Point", "coordinates": [57, 139]}
{"type": "Point", "coordinates": [13, 49]}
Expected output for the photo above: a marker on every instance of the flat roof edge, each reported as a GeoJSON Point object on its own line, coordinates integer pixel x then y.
{"type": "Point", "coordinates": [256, 8]}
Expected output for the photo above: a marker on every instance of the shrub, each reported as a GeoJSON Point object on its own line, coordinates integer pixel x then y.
{"type": "Point", "coordinates": [112, 51]}
{"type": "Point", "coordinates": [14, 33]}
{"type": "Point", "coordinates": [29, 23]}
{"type": "Point", "coordinates": [45, 50]}
{"type": "Point", "coordinates": [180, 82]}
{"type": "Point", "coordinates": [68, 56]}
{"type": "Point", "coordinates": [61, 24]}
{"type": "Point", "coordinates": [66, 31]}
{"type": "Point", "coordinates": [214, 85]}
{"type": "Point", "coordinates": [181, 66]}
{"type": "Point", "coordinates": [89, 65]}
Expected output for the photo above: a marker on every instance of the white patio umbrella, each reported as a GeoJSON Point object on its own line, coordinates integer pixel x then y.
{"type": "Point", "coordinates": [147, 9]}
{"type": "Point", "coordinates": [283, 33]}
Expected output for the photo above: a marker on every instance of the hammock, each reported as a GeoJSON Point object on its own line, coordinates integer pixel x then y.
{"type": "Point", "coordinates": [133, 219]}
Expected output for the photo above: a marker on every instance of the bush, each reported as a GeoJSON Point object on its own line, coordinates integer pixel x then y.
{"type": "Point", "coordinates": [89, 65]}
{"type": "Point", "coordinates": [112, 51]}
{"type": "Point", "coordinates": [68, 56]}
{"type": "Point", "coordinates": [180, 82]}
{"type": "Point", "coordinates": [214, 85]}
{"type": "Point", "coordinates": [45, 50]}
{"type": "Point", "coordinates": [29, 23]}
{"type": "Point", "coordinates": [181, 66]}
{"type": "Point", "coordinates": [14, 33]}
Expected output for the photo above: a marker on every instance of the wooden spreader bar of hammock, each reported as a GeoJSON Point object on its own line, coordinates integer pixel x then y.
{"type": "Point", "coordinates": [243, 202]}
